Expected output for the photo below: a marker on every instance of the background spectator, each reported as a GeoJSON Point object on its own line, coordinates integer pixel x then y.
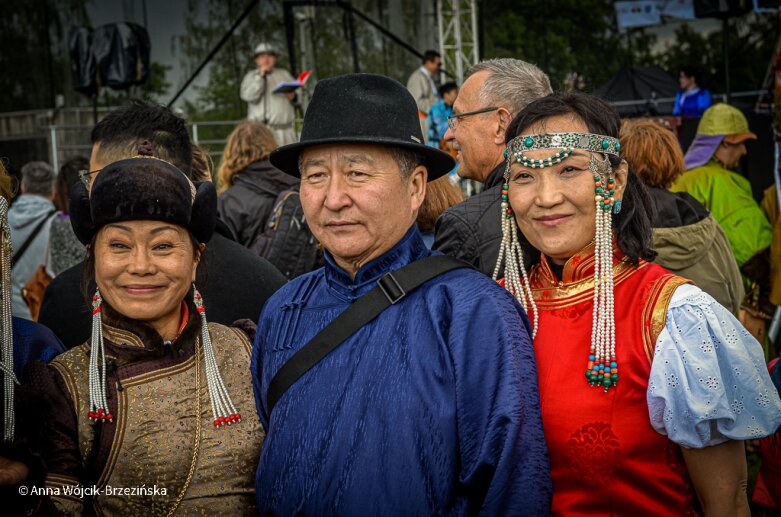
{"type": "Point", "coordinates": [29, 219]}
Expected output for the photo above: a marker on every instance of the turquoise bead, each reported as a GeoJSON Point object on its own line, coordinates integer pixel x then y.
{"type": "Point", "coordinates": [528, 141]}
{"type": "Point", "coordinates": [618, 146]}
{"type": "Point", "coordinates": [605, 144]}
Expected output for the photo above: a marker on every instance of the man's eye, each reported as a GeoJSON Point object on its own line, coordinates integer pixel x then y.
{"type": "Point", "coordinates": [163, 246]}
{"type": "Point", "coordinates": [312, 176]}
{"type": "Point", "coordinates": [118, 245]}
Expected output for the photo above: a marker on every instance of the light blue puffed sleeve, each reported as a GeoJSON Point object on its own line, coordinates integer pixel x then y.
{"type": "Point", "coordinates": [709, 382]}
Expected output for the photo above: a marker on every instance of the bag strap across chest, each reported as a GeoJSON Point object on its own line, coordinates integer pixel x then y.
{"type": "Point", "coordinates": [390, 289]}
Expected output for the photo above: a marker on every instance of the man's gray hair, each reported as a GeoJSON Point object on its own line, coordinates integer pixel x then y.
{"type": "Point", "coordinates": [406, 159]}
{"type": "Point", "coordinates": [511, 83]}
{"type": "Point", "coordinates": [38, 178]}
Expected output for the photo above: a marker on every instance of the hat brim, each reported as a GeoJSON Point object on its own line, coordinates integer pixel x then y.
{"type": "Point", "coordinates": [285, 158]}
{"type": "Point", "coordinates": [740, 137]}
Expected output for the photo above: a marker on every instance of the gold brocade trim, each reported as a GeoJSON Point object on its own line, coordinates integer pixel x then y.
{"type": "Point", "coordinates": [119, 438]}
{"type": "Point", "coordinates": [70, 384]}
{"type": "Point", "coordinates": [655, 310]}
{"type": "Point", "coordinates": [159, 374]}
{"type": "Point", "coordinates": [566, 295]}
{"type": "Point", "coordinates": [121, 337]}
{"type": "Point", "coordinates": [60, 481]}
{"type": "Point", "coordinates": [243, 339]}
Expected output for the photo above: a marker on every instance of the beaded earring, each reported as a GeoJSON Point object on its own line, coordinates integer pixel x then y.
{"type": "Point", "coordinates": [602, 367]}
{"type": "Point", "coordinates": [98, 411]}
{"type": "Point", "coordinates": [6, 333]}
{"type": "Point", "coordinates": [511, 252]}
{"type": "Point", "coordinates": [223, 410]}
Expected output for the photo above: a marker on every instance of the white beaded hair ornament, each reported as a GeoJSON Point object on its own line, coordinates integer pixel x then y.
{"type": "Point", "coordinates": [602, 365]}
{"type": "Point", "coordinates": [6, 334]}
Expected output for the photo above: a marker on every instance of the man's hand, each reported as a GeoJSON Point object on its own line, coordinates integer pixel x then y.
{"type": "Point", "coordinates": [12, 472]}
{"type": "Point", "coordinates": [291, 96]}
{"type": "Point", "coordinates": [264, 70]}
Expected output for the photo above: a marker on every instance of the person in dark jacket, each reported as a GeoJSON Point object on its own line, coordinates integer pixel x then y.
{"type": "Point", "coordinates": [236, 282]}
{"type": "Point", "coordinates": [492, 94]}
{"type": "Point", "coordinates": [249, 184]}
{"type": "Point", "coordinates": [686, 237]}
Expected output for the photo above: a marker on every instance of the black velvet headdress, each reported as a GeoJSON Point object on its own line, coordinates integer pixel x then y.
{"type": "Point", "coordinates": [143, 188]}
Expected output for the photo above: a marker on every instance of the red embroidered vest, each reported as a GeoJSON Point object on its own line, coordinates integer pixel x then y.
{"type": "Point", "coordinates": [605, 457]}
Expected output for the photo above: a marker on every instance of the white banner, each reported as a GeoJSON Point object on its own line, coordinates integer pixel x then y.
{"type": "Point", "coordinates": [683, 9]}
{"type": "Point", "coordinates": [637, 14]}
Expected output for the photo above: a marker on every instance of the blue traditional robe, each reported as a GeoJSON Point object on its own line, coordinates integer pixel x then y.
{"type": "Point", "coordinates": [430, 409]}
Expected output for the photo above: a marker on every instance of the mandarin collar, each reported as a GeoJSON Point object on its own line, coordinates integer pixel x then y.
{"type": "Point", "coordinates": [577, 268]}
{"type": "Point", "coordinates": [410, 248]}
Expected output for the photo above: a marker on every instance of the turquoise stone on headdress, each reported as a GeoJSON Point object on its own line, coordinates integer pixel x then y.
{"type": "Point", "coordinates": [585, 141]}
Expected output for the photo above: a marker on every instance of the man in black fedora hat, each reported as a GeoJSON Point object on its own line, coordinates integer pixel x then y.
{"type": "Point", "coordinates": [393, 380]}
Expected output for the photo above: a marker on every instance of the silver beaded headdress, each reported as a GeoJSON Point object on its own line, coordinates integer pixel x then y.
{"type": "Point", "coordinates": [6, 334]}
{"type": "Point", "coordinates": [602, 366]}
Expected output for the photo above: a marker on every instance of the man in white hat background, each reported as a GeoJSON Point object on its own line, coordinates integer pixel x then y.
{"type": "Point", "coordinates": [257, 89]}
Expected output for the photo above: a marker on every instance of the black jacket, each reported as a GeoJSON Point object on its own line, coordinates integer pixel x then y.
{"type": "Point", "coordinates": [246, 206]}
{"type": "Point", "coordinates": [472, 230]}
{"type": "Point", "coordinates": [237, 284]}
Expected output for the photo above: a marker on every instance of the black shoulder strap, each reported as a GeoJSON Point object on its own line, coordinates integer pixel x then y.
{"type": "Point", "coordinates": [391, 288]}
{"type": "Point", "coordinates": [30, 238]}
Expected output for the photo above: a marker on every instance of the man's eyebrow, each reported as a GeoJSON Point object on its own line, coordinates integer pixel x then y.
{"type": "Point", "coordinates": [359, 158]}
{"type": "Point", "coordinates": [313, 161]}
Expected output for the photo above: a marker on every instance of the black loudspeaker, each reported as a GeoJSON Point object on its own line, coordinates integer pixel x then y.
{"type": "Point", "coordinates": [83, 65]}
{"type": "Point", "coordinates": [122, 54]}
{"type": "Point", "coordinates": [721, 8]}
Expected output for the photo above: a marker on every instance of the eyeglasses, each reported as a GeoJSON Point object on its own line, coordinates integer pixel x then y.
{"type": "Point", "coordinates": [454, 119]}
{"type": "Point", "coordinates": [86, 177]}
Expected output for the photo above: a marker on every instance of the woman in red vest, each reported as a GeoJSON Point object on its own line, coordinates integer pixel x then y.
{"type": "Point", "coordinates": [648, 386]}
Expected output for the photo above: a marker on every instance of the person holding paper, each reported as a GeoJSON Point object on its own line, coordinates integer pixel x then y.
{"type": "Point", "coordinates": [275, 110]}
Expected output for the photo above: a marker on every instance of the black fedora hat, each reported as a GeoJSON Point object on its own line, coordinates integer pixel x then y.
{"type": "Point", "coordinates": [362, 108]}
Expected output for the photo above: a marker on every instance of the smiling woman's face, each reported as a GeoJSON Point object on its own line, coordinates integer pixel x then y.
{"type": "Point", "coordinates": [144, 270]}
{"type": "Point", "coordinates": [554, 207]}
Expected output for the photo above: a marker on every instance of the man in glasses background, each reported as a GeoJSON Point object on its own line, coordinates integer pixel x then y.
{"type": "Point", "coordinates": [492, 94]}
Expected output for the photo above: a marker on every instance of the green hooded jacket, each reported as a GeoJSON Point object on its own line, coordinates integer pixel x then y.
{"type": "Point", "coordinates": [727, 195]}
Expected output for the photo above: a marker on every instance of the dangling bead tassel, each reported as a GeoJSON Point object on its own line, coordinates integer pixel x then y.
{"type": "Point", "coordinates": [223, 410]}
{"type": "Point", "coordinates": [97, 366]}
{"type": "Point", "coordinates": [602, 369]}
{"type": "Point", "coordinates": [511, 252]}
{"type": "Point", "coordinates": [6, 334]}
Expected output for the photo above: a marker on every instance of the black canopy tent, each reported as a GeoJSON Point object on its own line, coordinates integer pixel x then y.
{"type": "Point", "coordinates": [642, 84]}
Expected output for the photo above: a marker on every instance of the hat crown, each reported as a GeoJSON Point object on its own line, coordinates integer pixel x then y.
{"type": "Point", "coordinates": [362, 109]}
{"type": "Point", "coordinates": [722, 119]}
{"type": "Point", "coordinates": [264, 47]}
{"type": "Point", "coordinates": [143, 189]}
{"type": "Point", "coordinates": [362, 106]}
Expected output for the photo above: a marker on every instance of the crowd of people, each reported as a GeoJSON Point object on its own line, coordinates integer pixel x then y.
{"type": "Point", "coordinates": [331, 328]}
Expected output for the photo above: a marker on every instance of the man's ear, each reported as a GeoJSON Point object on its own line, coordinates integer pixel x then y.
{"type": "Point", "coordinates": [504, 119]}
{"type": "Point", "coordinates": [417, 185]}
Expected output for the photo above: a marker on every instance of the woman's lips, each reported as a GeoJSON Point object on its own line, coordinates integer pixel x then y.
{"type": "Point", "coordinates": [551, 220]}
{"type": "Point", "coordinates": [141, 290]}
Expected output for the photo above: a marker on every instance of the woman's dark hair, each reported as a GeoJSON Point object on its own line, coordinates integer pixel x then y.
{"type": "Point", "coordinates": [633, 224]}
{"type": "Point", "coordinates": [692, 72]}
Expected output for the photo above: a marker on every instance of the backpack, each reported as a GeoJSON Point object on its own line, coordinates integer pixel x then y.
{"type": "Point", "coordinates": [286, 240]}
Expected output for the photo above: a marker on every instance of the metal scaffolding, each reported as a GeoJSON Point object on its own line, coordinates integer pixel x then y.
{"type": "Point", "coordinates": [457, 27]}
